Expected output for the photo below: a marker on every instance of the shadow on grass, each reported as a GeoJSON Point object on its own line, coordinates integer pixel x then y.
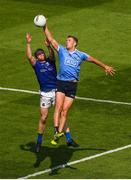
{"type": "Point", "coordinates": [58, 155]}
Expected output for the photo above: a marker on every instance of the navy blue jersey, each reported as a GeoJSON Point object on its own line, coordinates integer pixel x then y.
{"type": "Point", "coordinates": [46, 74]}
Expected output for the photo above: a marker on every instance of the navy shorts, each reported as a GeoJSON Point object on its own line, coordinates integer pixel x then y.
{"type": "Point", "coordinates": [67, 87]}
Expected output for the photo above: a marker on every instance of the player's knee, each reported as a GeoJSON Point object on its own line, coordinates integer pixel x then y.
{"type": "Point", "coordinates": [43, 118]}
{"type": "Point", "coordinates": [64, 112]}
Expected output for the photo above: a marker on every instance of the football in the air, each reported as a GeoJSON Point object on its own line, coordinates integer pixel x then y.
{"type": "Point", "coordinates": [40, 20]}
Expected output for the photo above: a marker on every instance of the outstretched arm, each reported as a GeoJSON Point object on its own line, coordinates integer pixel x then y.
{"type": "Point", "coordinates": [28, 50]}
{"type": "Point", "coordinates": [50, 38]}
{"type": "Point", "coordinates": [50, 49]}
{"type": "Point", "coordinates": [107, 69]}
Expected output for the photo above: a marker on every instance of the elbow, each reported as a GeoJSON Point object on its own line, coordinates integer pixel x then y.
{"type": "Point", "coordinates": [29, 58]}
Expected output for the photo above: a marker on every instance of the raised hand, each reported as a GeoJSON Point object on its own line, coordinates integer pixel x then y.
{"type": "Point", "coordinates": [28, 38]}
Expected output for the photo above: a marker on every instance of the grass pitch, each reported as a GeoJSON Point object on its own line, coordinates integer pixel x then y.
{"type": "Point", "coordinates": [103, 29]}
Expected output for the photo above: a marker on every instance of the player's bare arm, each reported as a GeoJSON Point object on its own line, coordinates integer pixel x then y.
{"type": "Point", "coordinates": [50, 49]}
{"type": "Point", "coordinates": [28, 49]}
{"type": "Point", "coordinates": [50, 38]}
{"type": "Point", "coordinates": [108, 69]}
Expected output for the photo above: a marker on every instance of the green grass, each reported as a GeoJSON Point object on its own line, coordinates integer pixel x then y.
{"type": "Point", "coordinates": [103, 29]}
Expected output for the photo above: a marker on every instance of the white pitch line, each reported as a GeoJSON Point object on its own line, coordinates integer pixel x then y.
{"type": "Point", "coordinates": [83, 159]}
{"type": "Point", "coordinates": [80, 98]}
{"type": "Point", "coordinates": [104, 101]}
{"type": "Point", "coordinates": [76, 162]}
{"type": "Point", "coordinates": [19, 90]}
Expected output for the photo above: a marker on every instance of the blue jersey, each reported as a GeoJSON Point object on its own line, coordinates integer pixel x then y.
{"type": "Point", "coordinates": [70, 63]}
{"type": "Point", "coordinates": [46, 74]}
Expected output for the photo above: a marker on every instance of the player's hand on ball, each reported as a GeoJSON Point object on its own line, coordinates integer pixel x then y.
{"type": "Point", "coordinates": [28, 38]}
{"type": "Point", "coordinates": [40, 20]}
{"type": "Point", "coordinates": [109, 70]}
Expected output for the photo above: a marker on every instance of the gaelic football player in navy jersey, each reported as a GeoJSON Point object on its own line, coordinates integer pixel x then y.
{"type": "Point", "coordinates": [45, 70]}
{"type": "Point", "coordinates": [70, 60]}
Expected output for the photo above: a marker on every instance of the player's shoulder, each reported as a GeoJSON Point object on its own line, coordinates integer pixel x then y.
{"type": "Point", "coordinates": [37, 62]}
{"type": "Point", "coordinates": [81, 52]}
{"type": "Point", "coordinates": [83, 55]}
{"type": "Point", "coordinates": [61, 47]}
{"type": "Point", "coordinates": [49, 60]}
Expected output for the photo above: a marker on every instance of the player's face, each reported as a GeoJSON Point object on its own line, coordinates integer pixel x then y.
{"type": "Point", "coordinates": [70, 43]}
{"type": "Point", "coordinates": [41, 57]}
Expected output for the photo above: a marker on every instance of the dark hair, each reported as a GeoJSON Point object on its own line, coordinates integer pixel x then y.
{"type": "Point", "coordinates": [38, 52]}
{"type": "Point", "coordinates": [75, 38]}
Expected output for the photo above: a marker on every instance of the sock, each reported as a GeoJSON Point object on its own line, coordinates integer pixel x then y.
{"type": "Point", "coordinates": [39, 138]}
{"type": "Point", "coordinates": [55, 129]}
{"type": "Point", "coordinates": [68, 137]}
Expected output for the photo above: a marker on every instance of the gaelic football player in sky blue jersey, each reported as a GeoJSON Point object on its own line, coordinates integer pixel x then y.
{"type": "Point", "coordinates": [45, 70]}
{"type": "Point", "coordinates": [70, 60]}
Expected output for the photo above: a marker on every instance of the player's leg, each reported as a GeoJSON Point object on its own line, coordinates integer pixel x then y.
{"type": "Point", "coordinates": [58, 108]}
{"type": "Point", "coordinates": [41, 127]}
{"type": "Point", "coordinates": [67, 132]}
{"type": "Point", "coordinates": [45, 103]}
{"type": "Point", "coordinates": [70, 92]}
{"type": "Point", "coordinates": [59, 99]}
{"type": "Point", "coordinates": [69, 140]}
{"type": "Point", "coordinates": [42, 121]}
{"type": "Point", "coordinates": [68, 101]}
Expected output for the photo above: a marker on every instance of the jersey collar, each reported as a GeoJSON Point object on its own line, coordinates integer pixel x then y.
{"type": "Point", "coordinates": [71, 52]}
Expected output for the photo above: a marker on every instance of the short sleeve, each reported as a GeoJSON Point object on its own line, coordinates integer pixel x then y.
{"type": "Point", "coordinates": [84, 56]}
{"type": "Point", "coordinates": [60, 48]}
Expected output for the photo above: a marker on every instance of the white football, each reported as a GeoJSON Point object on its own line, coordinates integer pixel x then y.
{"type": "Point", "coordinates": [40, 20]}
